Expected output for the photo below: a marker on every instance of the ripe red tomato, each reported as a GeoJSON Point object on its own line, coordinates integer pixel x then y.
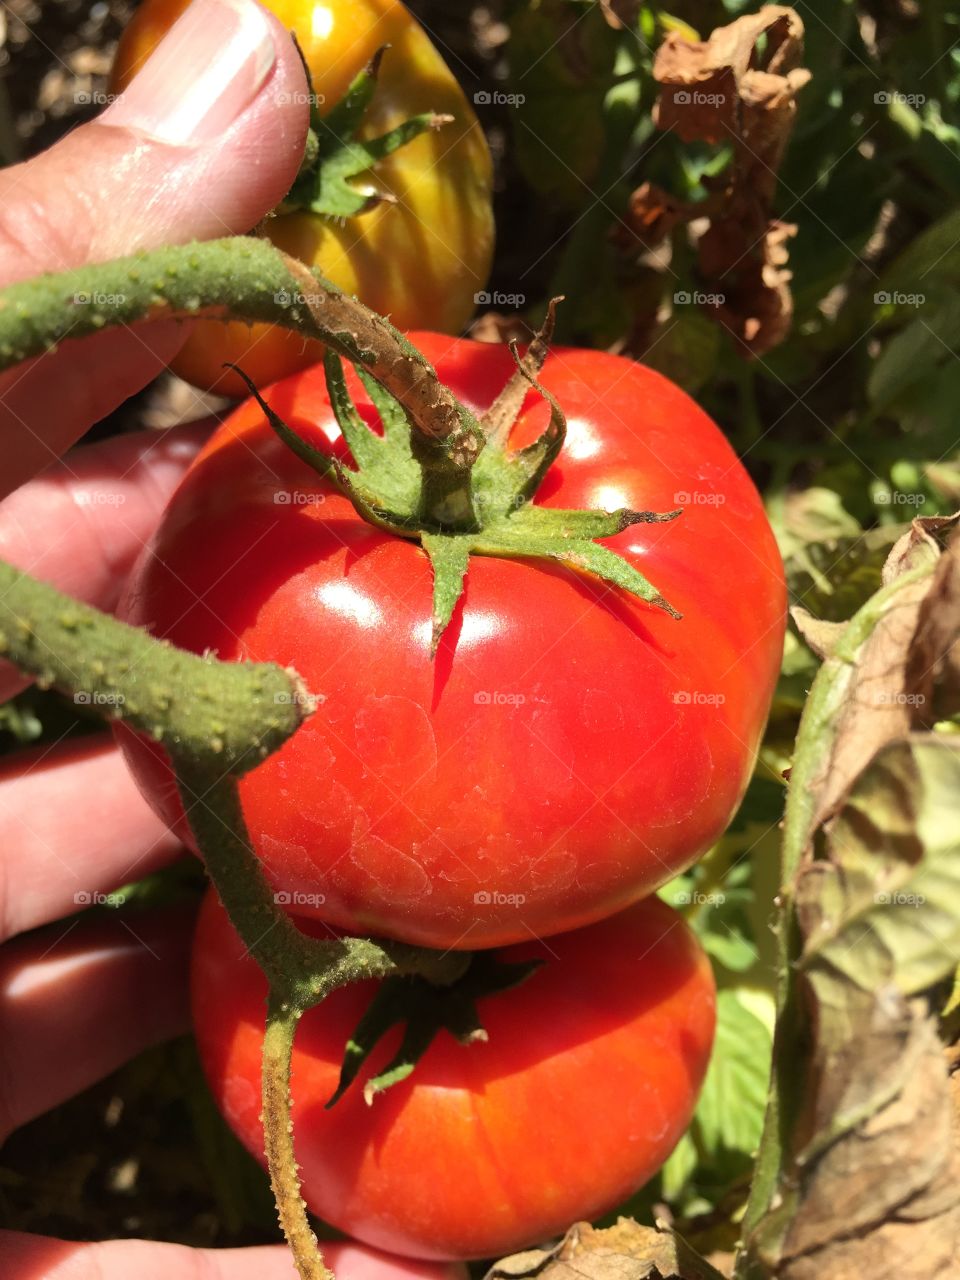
{"type": "Point", "coordinates": [569, 749]}
{"type": "Point", "coordinates": [588, 1079]}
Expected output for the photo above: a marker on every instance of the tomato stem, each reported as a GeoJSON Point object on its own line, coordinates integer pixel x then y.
{"type": "Point", "coordinates": [470, 495]}
{"type": "Point", "coordinates": [282, 1019]}
{"type": "Point", "coordinates": [216, 720]}
{"type": "Point", "coordinates": [231, 715]}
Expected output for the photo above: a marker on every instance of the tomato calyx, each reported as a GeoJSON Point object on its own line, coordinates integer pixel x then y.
{"type": "Point", "coordinates": [336, 158]}
{"type": "Point", "coordinates": [459, 502]}
{"type": "Point", "coordinates": [426, 1009]}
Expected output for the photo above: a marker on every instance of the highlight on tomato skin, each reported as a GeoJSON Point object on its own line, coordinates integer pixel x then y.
{"type": "Point", "coordinates": [569, 749]}
{"type": "Point", "coordinates": [588, 1079]}
{"type": "Point", "coordinates": [420, 256]}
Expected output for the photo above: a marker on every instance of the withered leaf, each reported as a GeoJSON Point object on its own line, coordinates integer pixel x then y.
{"type": "Point", "coordinates": [651, 216]}
{"type": "Point", "coordinates": [625, 1251]}
{"type": "Point", "coordinates": [933, 672]}
{"type": "Point", "coordinates": [716, 91]}
{"type": "Point", "coordinates": [876, 698]}
{"type": "Point", "coordinates": [819, 633]}
{"type": "Point", "coordinates": [875, 1156]}
{"type": "Point", "coordinates": [722, 90]}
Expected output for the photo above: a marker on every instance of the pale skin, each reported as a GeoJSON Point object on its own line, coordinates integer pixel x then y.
{"type": "Point", "coordinates": [205, 148]}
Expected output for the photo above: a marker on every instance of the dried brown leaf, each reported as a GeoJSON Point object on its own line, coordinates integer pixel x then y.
{"type": "Point", "coordinates": [933, 672]}
{"type": "Point", "coordinates": [874, 1152]}
{"type": "Point", "coordinates": [625, 1251]}
{"type": "Point", "coordinates": [717, 91]}
{"type": "Point", "coordinates": [883, 1200]}
{"type": "Point", "coordinates": [651, 216]}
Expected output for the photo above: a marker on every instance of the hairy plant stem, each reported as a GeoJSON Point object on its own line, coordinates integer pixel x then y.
{"type": "Point", "coordinates": [240, 278]}
{"type": "Point", "coordinates": [216, 720]}
{"type": "Point", "coordinates": [282, 1019]}
{"type": "Point", "coordinates": [301, 971]}
{"type": "Point", "coordinates": [230, 714]}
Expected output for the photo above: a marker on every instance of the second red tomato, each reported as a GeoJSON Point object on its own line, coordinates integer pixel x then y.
{"type": "Point", "coordinates": [588, 1079]}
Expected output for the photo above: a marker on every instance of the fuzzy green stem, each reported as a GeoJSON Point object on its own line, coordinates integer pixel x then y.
{"type": "Point", "coordinates": [304, 969]}
{"type": "Point", "coordinates": [301, 971]}
{"type": "Point", "coordinates": [282, 1019]}
{"type": "Point", "coordinates": [241, 278]}
{"type": "Point", "coordinates": [230, 715]}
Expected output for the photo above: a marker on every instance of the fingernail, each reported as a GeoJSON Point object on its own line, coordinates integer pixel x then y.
{"type": "Point", "coordinates": [206, 70]}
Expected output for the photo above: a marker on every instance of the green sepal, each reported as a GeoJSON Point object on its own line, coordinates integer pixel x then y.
{"type": "Point", "coordinates": [321, 462]}
{"type": "Point", "coordinates": [393, 417]}
{"type": "Point", "coordinates": [325, 183]}
{"type": "Point", "coordinates": [449, 556]}
{"type": "Point", "coordinates": [397, 472]}
{"type": "Point", "coordinates": [575, 550]}
{"type": "Point", "coordinates": [387, 477]}
{"type": "Point", "coordinates": [507, 480]}
{"type": "Point", "coordinates": [425, 1009]}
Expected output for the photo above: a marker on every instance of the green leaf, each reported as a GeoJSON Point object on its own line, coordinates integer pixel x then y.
{"type": "Point", "coordinates": [562, 58]}
{"type": "Point", "coordinates": [685, 348]}
{"type": "Point", "coordinates": [729, 1115]}
{"type": "Point", "coordinates": [679, 1167]}
{"type": "Point", "coordinates": [931, 260]}
{"type": "Point", "coordinates": [917, 353]}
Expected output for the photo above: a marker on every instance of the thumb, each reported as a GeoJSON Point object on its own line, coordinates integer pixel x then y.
{"type": "Point", "coordinates": [204, 142]}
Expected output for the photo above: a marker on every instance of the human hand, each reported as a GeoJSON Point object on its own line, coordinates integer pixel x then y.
{"type": "Point", "coordinates": [204, 143]}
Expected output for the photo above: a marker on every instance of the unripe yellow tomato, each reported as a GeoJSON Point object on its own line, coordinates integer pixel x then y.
{"type": "Point", "coordinates": [418, 257]}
